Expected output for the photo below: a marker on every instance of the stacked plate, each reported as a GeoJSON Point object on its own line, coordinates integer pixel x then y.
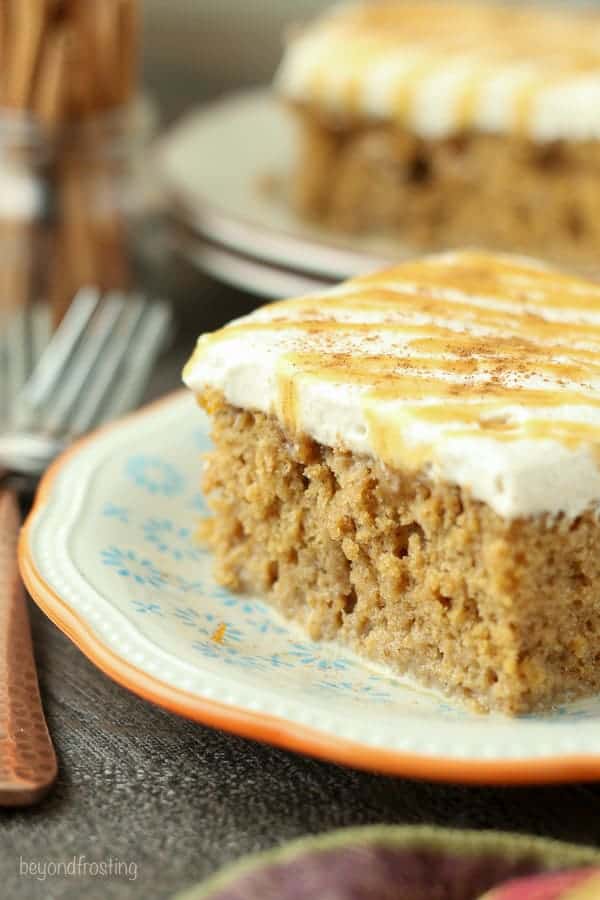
{"type": "Point", "coordinates": [225, 167]}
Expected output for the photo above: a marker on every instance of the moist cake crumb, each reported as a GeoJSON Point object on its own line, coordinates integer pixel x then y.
{"type": "Point", "coordinates": [409, 573]}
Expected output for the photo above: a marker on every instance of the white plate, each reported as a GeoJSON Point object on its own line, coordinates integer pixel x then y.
{"type": "Point", "coordinates": [214, 163]}
{"type": "Point", "coordinates": [109, 553]}
{"type": "Point", "coordinates": [244, 272]}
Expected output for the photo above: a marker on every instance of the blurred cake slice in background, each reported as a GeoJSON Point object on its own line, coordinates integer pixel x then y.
{"type": "Point", "coordinates": [451, 124]}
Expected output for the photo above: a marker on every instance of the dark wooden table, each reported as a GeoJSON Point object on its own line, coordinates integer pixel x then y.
{"type": "Point", "coordinates": [173, 800]}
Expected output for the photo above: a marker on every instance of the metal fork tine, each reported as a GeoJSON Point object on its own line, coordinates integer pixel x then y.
{"type": "Point", "coordinates": [49, 372]}
{"type": "Point", "coordinates": [81, 370]}
{"type": "Point", "coordinates": [17, 356]}
{"type": "Point", "coordinates": [4, 387]}
{"type": "Point", "coordinates": [95, 397]}
{"type": "Point", "coordinates": [149, 342]}
{"type": "Point", "coordinates": [41, 330]}
{"type": "Point", "coordinates": [94, 368]}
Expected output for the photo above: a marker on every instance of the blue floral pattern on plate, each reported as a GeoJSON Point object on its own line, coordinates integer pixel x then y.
{"type": "Point", "coordinates": [155, 475]}
{"type": "Point", "coordinates": [170, 538]}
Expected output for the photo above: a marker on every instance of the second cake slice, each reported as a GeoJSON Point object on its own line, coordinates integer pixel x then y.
{"type": "Point", "coordinates": [418, 118]}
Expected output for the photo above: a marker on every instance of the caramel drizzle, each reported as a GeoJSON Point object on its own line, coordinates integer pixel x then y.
{"type": "Point", "coordinates": [288, 394]}
{"type": "Point", "coordinates": [465, 110]}
{"type": "Point", "coordinates": [459, 381]}
{"type": "Point", "coordinates": [407, 85]}
{"type": "Point", "coordinates": [475, 275]}
{"type": "Point", "coordinates": [545, 334]}
{"type": "Point", "coordinates": [410, 379]}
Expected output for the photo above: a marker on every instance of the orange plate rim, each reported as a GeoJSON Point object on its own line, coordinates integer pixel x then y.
{"type": "Point", "coordinates": [261, 726]}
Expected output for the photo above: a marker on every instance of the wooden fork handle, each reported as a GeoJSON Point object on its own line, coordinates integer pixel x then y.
{"type": "Point", "coordinates": [27, 760]}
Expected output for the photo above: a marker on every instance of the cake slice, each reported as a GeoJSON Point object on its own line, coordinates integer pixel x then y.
{"type": "Point", "coordinates": [409, 464]}
{"type": "Point", "coordinates": [418, 118]}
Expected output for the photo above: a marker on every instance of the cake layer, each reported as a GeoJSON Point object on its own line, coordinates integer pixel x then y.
{"type": "Point", "coordinates": [437, 194]}
{"type": "Point", "coordinates": [407, 572]}
{"type": "Point", "coordinates": [442, 68]}
{"type": "Point", "coordinates": [480, 371]}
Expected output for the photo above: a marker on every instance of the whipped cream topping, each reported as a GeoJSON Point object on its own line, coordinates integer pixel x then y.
{"type": "Point", "coordinates": [440, 68]}
{"type": "Point", "coordinates": [479, 370]}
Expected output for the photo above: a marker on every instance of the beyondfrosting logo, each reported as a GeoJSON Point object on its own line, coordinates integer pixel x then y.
{"type": "Point", "coordinates": [78, 867]}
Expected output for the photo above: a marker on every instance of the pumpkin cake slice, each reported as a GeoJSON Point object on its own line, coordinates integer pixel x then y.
{"type": "Point", "coordinates": [417, 118]}
{"type": "Point", "coordinates": [409, 464]}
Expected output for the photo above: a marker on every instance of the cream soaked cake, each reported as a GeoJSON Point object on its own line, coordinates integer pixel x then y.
{"type": "Point", "coordinates": [409, 464]}
{"type": "Point", "coordinates": [418, 118]}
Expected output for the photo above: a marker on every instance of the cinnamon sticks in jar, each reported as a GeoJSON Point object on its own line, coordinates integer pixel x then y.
{"type": "Point", "coordinates": [65, 60]}
{"type": "Point", "coordinates": [67, 85]}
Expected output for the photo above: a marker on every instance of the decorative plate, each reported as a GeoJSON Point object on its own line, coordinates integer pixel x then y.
{"type": "Point", "coordinates": [237, 199]}
{"type": "Point", "coordinates": [109, 554]}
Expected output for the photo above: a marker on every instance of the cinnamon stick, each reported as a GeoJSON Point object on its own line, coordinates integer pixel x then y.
{"type": "Point", "coordinates": [49, 91]}
{"type": "Point", "coordinates": [129, 31]}
{"type": "Point", "coordinates": [27, 21]}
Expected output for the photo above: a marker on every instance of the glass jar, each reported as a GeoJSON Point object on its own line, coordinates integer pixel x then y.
{"type": "Point", "coordinates": [72, 206]}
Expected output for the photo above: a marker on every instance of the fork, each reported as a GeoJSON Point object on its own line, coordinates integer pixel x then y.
{"type": "Point", "coordinates": [93, 369]}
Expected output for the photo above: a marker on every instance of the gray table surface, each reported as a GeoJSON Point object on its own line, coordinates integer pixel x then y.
{"type": "Point", "coordinates": [174, 800]}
